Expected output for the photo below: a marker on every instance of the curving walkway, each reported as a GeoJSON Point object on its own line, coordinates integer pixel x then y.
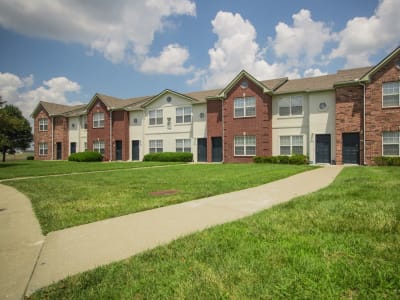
{"type": "Point", "coordinates": [81, 248]}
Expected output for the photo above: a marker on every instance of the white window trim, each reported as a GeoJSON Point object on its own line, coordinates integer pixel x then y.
{"type": "Point", "coordinates": [289, 98]}
{"type": "Point", "coordinates": [245, 99]}
{"type": "Point", "coordinates": [45, 125]}
{"type": "Point", "coordinates": [99, 146]}
{"type": "Point", "coordinates": [43, 149]}
{"type": "Point", "coordinates": [391, 106]}
{"type": "Point", "coordinates": [398, 143]}
{"type": "Point", "coordinates": [183, 141]}
{"type": "Point", "coordinates": [156, 117]}
{"type": "Point", "coordinates": [183, 115]}
{"type": "Point", "coordinates": [97, 120]}
{"type": "Point", "coordinates": [291, 143]}
{"type": "Point", "coordinates": [245, 145]}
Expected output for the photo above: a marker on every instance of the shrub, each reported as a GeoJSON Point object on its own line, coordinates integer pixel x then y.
{"type": "Point", "coordinates": [30, 157]}
{"type": "Point", "coordinates": [169, 157]}
{"type": "Point", "coordinates": [295, 159]}
{"type": "Point", "coordinates": [87, 156]}
{"type": "Point", "coordinates": [387, 160]}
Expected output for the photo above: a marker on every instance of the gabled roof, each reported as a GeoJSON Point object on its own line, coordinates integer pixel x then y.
{"type": "Point", "coordinates": [168, 91]}
{"type": "Point", "coordinates": [367, 76]}
{"type": "Point", "coordinates": [54, 109]}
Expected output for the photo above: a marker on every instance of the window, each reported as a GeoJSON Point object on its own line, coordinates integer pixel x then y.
{"type": "Point", "coordinates": [155, 146]}
{"type": "Point", "coordinates": [292, 106]}
{"type": "Point", "coordinates": [391, 94]}
{"type": "Point", "coordinates": [391, 143]}
{"type": "Point", "coordinates": [184, 115]}
{"type": "Point", "coordinates": [98, 120]}
{"type": "Point", "coordinates": [183, 145]}
{"type": "Point", "coordinates": [245, 107]}
{"type": "Point", "coordinates": [98, 146]}
{"type": "Point", "coordinates": [43, 124]}
{"type": "Point", "coordinates": [291, 144]}
{"type": "Point", "coordinates": [84, 122]}
{"type": "Point", "coordinates": [43, 149]}
{"type": "Point", "coordinates": [155, 117]}
{"type": "Point", "coordinates": [245, 145]}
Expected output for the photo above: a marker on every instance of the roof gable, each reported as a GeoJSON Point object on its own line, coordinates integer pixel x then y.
{"type": "Point", "coordinates": [54, 109]}
{"type": "Point", "coordinates": [165, 92]}
{"type": "Point", "coordinates": [367, 76]}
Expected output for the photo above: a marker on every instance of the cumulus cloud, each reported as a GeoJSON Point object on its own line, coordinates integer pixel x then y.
{"type": "Point", "coordinates": [314, 72]}
{"type": "Point", "coordinates": [364, 37]}
{"type": "Point", "coordinates": [120, 29]}
{"type": "Point", "coordinates": [171, 61]}
{"type": "Point", "coordinates": [19, 92]}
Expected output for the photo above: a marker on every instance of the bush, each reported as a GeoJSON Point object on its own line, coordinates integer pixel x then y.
{"type": "Point", "coordinates": [387, 160]}
{"type": "Point", "coordinates": [169, 157]}
{"type": "Point", "coordinates": [30, 157]}
{"type": "Point", "coordinates": [87, 156]}
{"type": "Point", "coordinates": [295, 159]}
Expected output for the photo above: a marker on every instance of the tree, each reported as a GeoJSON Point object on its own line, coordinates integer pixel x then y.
{"type": "Point", "coordinates": [15, 130]}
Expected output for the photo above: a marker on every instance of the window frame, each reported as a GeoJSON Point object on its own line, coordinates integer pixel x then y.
{"type": "Point", "coordinates": [43, 124]}
{"type": "Point", "coordinates": [292, 143]}
{"type": "Point", "coordinates": [290, 106]}
{"type": "Point", "coordinates": [99, 146]}
{"type": "Point", "coordinates": [185, 115]}
{"type": "Point", "coordinates": [157, 119]}
{"type": "Point", "coordinates": [43, 149]}
{"type": "Point", "coordinates": [98, 122]}
{"type": "Point", "coordinates": [392, 94]}
{"type": "Point", "coordinates": [184, 145]}
{"type": "Point", "coordinates": [245, 144]}
{"type": "Point", "coordinates": [158, 145]}
{"type": "Point", "coordinates": [245, 106]}
{"type": "Point", "coordinates": [391, 143]}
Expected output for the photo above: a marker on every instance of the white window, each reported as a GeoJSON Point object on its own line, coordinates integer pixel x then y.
{"type": "Point", "coordinates": [245, 107]}
{"type": "Point", "coordinates": [98, 120]}
{"type": "Point", "coordinates": [43, 149]}
{"type": "Point", "coordinates": [291, 106]}
{"type": "Point", "coordinates": [391, 94]}
{"type": "Point", "coordinates": [183, 145]}
{"type": "Point", "coordinates": [98, 146]}
{"type": "Point", "coordinates": [43, 124]}
{"type": "Point", "coordinates": [184, 114]}
{"type": "Point", "coordinates": [391, 143]}
{"type": "Point", "coordinates": [155, 146]}
{"type": "Point", "coordinates": [245, 145]}
{"type": "Point", "coordinates": [291, 144]}
{"type": "Point", "coordinates": [84, 122]}
{"type": "Point", "coordinates": [155, 117]}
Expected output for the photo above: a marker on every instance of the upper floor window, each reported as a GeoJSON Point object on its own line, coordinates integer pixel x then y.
{"type": "Point", "coordinates": [43, 149]}
{"type": "Point", "coordinates": [391, 94]}
{"type": "Point", "coordinates": [183, 145]}
{"type": "Point", "coordinates": [43, 124]}
{"type": "Point", "coordinates": [155, 146]}
{"type": "Point", "coordinates": [391, 143]}
{"type": "Point", "coordinates": [245, 107]}
{"type": "Point", "coordinates": [98, 120]}
{"type": "Point", "coordinates": [84, 122]}
{"type": "Point", "coordinates": [245, 145]}
{"type": "Point", "coordinates": [184, 114]}
{"type": "Point", "coordinates": [155, 117]}
{"type": "Point", "coordinates": [291, 144]}
{"type": "Point", "coordinates": [98, 146]}
{"type": "Point", "coordinates": [291, 106]}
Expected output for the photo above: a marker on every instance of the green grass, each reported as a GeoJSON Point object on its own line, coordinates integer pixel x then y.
{"type": "Point", "coordinates": [66, 201]}
{"type": "Point", "coordinates": [342, 242]}
{"type": "Point", "coordinates": [27, 168]}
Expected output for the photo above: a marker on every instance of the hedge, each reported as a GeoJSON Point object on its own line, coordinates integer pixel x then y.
{"type": "Point", "coordinates": [387, 160]}
{"type": "Point", "coordinates": [30, 157]}
{"type": "Point", "coordinates": [295, 159]}
{"type": "Point", "coordinates": [87, 156]}
{"type": "Point", "coordinates": [169, 156]}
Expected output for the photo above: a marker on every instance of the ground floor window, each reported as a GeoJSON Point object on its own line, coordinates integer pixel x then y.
{"type": "Point", "coordinates": [155, 146]}
{"type": "Point", "coordinates": [391, 143]}
{"type": "Point", "coordinates": [245, 145]}
{"type": "Point", "coordinates": [98, 146]}
{"type": "Point", "coordinates": [291, 144]}
{"type": "Point", "coordinates": [183, 145]}
{"type": "Point", "coordinates": [43, 149]}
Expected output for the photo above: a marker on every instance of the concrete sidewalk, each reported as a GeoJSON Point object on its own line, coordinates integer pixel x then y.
{"type": "Point", "coordinates": [74, 250]}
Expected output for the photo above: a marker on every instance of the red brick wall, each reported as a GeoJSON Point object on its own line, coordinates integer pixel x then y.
{"type": "Point", "coordinates": [42, 136]}
{"type": "Point", "coordinates": [349, 116]}
{"type": "Point", "coordinates": [61, 136]}
{"type": "Point", "coordinates": [259, 126]}
{"type": "Point", "coordinates": [377, 118]}
{"type": "Point", "coordinates": [214, 124]}
{"type": "Point", "coordinates": [120, 128]}
{"type": "Point", "coordinates": [101, 134]}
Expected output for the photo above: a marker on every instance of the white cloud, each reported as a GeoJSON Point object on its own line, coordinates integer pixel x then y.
{"type": "Point", "coordinates": [303, 42]}
{"type": "Point", "coordinates": [170, 61]}
{"type": "Point", "coordinates": [17, 91]}
{"type": "Point", "coordinates": [314, 72]}
{"type": "Point", "coordinates": [120, 29]}
{"type": "Point", "coordinates": [364, 37]}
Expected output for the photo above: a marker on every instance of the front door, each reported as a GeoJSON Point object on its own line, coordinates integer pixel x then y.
{"type": "Point", "coordinates": [351, 148]}
{"type": "Point", "coordinates": [323, 148]}
{"type": "Point", "coordinates": [73, 148]}
{"type": "Point", "coordinates": [135, 150]}
{"type": "Point", "coordinates": [202, 149]}
{"type": "Point", "coordinates": [59, 150]}
{"type": "Point", "coordinates": [216, 143]}
{"type": "Point", "coordinates": [118, 150]}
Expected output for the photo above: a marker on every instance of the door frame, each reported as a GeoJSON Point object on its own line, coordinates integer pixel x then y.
{"type": "Point", "coordinates": [358, 145]}
{"type": "Point", "coordinates": [213, 149]}
{"type": "Point", "coordinates": [203, 147]}
{"type": "Point", "coordinates": [138, 149]}
{"type": "Point", "coordinates": [330, 147]}
{"type": "Point", "coordinates": [58, 151]}
{"type": "Point", "coordinates": [118, 150]}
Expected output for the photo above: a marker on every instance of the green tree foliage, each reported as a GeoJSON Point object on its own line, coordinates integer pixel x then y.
{"type": "Point", "coordinates": [15, 130]}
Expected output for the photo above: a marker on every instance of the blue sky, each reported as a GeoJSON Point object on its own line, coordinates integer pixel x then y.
{"type": "Point", "coordinates": [66, 51]}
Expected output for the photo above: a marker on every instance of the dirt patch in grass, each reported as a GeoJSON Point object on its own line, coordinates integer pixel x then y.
{"type": "Point", "coordinates": [164, 193]}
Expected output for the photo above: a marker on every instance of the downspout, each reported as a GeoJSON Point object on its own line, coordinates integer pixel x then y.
{"type": "Point", "coordinates": [223, 130]}
{"type": "Point", "coordinates": [364, 139]}
{"type": "Point", "coordinates": [52, 138]}
{"type": "Point", "coordinates": [110, 135]}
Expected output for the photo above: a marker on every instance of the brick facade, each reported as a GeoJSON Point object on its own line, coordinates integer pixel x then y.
{"type": "Point", "coordinates": [99, 134]}
{"type": "Point", "coordinates": [60, 137]}
{"type": "Point", "coordinates": [43, 136]}
{"type": "Point", "coordinates": [120, 132]}
{"type": "Point", "coordinates": [214, 124]}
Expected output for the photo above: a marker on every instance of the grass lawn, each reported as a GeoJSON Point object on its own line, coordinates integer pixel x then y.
{"type": "Point", "coordinates": [66, 201]}
{"type": "Point", "coordinates": [342, 242]}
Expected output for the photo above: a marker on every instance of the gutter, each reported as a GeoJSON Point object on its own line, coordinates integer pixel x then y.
{"type": "Point", "coordinates": [52, 138]}
{"type": "Point", "coordinates": [110, 159]}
